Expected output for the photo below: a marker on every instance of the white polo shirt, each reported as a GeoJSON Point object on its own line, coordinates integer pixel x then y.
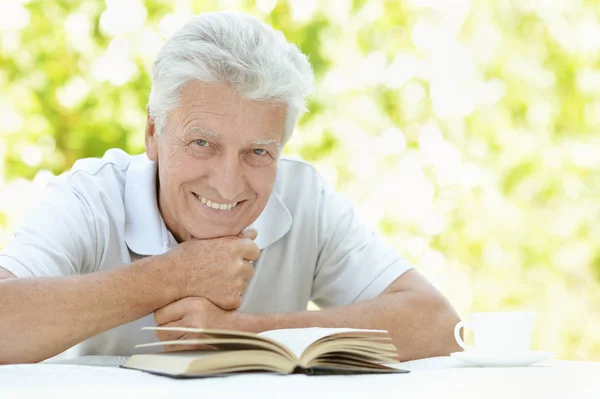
{"type": "Point", "coordinates": [103, 214]}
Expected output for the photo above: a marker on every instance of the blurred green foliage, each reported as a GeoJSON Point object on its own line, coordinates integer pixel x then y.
{"type": "Point", "coordinates": [464, 131]}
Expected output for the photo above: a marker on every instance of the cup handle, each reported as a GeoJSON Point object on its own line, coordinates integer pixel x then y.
{"type": "Point", "coordinates": [461, 343]}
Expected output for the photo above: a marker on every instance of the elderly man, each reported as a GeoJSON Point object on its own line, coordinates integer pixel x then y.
{"type": "Point", "coordinates": [210, 227]}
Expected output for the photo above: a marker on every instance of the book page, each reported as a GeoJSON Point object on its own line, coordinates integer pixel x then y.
{"type": "Point", "coordinates": [221, 339]}
{"type": "Point", "coordinates": [298, 339]}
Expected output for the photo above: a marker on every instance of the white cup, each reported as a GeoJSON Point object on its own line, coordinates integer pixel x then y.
{"type": "Point", "coordinates": [498, 332]}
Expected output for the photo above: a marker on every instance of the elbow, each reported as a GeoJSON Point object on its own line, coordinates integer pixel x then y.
{"type": "Point", "coordinates": [445, 319]}
{"type": "Point", "coordinates": [440, 318]}
{"type": "Point", "coordinates": [29, 355]}
{"type": "Point", "coordinates": [432, 324]}
{"type": "Point", "coordinates": [23, 352]}
{"type": "Point", "coordinates": [15, 360]}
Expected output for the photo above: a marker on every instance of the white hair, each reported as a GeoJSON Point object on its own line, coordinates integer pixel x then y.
{"type": "Point", "coordinates": [234, 48]}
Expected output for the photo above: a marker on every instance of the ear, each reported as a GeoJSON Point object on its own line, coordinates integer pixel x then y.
{"type": "Point", "coordinates": [151, 139]}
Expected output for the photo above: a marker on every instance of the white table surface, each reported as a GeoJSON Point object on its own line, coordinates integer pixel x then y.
{"type": "Point", "coordinates": [439, 378]}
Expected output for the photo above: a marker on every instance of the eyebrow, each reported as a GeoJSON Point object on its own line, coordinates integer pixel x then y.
{"type": "Point", "coordinates": [266, 142]}
{"type": "Point", "coordinates": [204, 132]}
{"type": "Point", "coordinates": [216, 136]}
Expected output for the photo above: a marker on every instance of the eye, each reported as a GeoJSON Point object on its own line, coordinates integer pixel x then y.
{"type": "Point", "coordinates": [202, 143]}
{"type": "Point", "coordinates": [259, 157]}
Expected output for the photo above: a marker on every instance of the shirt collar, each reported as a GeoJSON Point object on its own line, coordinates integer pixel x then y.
{"type": "Point", "coordinates": [145, 229]}
{"type": "Point", "coordinates": [273, 223]}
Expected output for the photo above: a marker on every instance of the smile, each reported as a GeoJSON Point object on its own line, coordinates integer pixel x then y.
{"type": "Point", "coordinates": [216, 205]}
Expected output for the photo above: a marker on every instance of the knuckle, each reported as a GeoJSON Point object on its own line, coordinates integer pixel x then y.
{"type": "Point", "coordinates": [237, 302]}
{"type": "Point", "coordinates": [234, 301]}
{"type": "Point", "coordinates": [254, 254]}
{"type": "Point", "coordinates": [245, 244]}
{"type": "Point", "coordinates": [227, 303]}
{"type": "Point", "coordinates": [238, 268]}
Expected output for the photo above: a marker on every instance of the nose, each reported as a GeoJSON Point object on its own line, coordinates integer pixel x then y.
{"type": "Point", "coordinates": [228, 178]}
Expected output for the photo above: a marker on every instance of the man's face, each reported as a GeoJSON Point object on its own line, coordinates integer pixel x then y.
{"type": "Point", "coordinates": [218, 150]}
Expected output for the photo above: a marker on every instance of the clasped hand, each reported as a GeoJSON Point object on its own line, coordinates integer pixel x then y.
{"type": "Point", "coordinates": [213, 276]}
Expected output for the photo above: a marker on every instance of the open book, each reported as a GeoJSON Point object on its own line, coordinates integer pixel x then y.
{"type": "Point", "coordinates": [300, 350]}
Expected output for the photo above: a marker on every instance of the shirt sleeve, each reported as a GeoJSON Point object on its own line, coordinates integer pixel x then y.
{"type": "Point", "coordinates": [56, 238]}
{"type": "Point", "coordinates": [353, 264]}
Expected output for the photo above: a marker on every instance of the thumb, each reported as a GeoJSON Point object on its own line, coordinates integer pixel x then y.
{"type": "Point", "coordinates": [248, 233]}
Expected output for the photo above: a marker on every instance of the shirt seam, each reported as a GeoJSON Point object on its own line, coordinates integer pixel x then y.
{"type": "Point", "coordinates": [375, 279]}
{"type": "Point", "coordinates": [17, 261]}
{"type": "Point", "coordinates": [121, 169]}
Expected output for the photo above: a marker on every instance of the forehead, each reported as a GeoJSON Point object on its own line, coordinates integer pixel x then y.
{"type": "Point", "coordinates": [219, 109]}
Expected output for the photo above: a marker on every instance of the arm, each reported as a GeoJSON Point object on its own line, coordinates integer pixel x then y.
{"type": "Point", "coordinates": [359, 281]}
{"type": "Point", "coordinates": [64, 294]}
{"type": "Point", "coordinates": [43, 316]}
{"type": "Point", "coordinates": [419, 318]}
{"type": "Point", "coordinates": [364, 283]}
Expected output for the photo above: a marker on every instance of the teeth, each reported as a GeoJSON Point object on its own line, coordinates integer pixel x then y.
{"type": "Point", "coordinates": [215, 205]}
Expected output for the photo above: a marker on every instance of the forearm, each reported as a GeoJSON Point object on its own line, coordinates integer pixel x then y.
{"type": "Point", "coordinates": [420, 326]}
{"type": "Point", "coordinates": [43, 316]}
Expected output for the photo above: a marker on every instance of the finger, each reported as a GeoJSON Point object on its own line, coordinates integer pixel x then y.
{"type": "Point", "coordinates": [175, 348]}
{"type": "Point", "coordinates": [242, 287]}
{"type": "Point", "coordinates": [249, 233]}
{"type": "Point", "coordinates": [246, 279]}
{"type": "Point", "coordinates": [172, 312]}
{"type": "Point", "coordinates": [232, 300]}
{"type": "Point", "coordinates": [170, 335]}
{"type": "Point", "coordinates": [249, 249]}
{"type": "Point", "coordinates": [247, 271]}
{"type": "Point", "coordinates": [185, 347]}
{"type": "Point", "coordinates": [165, 335]}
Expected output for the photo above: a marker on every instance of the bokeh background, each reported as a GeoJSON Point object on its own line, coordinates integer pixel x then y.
{"type": "Point", "coordinates": [465, 131]}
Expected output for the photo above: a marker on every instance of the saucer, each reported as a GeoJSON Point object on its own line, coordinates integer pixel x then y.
{"type": "Point", "coordinates": [483, 359]}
